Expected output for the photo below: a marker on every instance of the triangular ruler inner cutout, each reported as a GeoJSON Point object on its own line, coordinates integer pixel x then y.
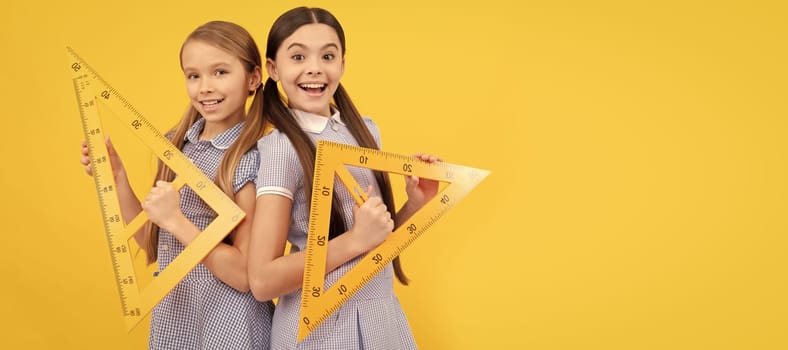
{"type": "Point", "coordinates": [137, 301]}
{"type": "Point", "coordinates": [331, 162]}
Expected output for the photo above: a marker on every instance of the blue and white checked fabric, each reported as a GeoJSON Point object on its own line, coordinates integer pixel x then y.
{"type": "Point", "coordinates": [202, 312]}
{"type": "Point", "coordinates": [373, 318]}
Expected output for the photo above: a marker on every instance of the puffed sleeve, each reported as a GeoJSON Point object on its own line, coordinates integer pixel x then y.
{"type": "Point", "coordinates": [247, 170]}
{"type": "Point", "coordinates": [280, 170]}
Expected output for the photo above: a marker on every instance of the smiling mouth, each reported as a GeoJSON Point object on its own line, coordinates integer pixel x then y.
{"type": "Point", "coordinates": [209, 103]}
{"type": "Point", "coordinates": [313, 87]}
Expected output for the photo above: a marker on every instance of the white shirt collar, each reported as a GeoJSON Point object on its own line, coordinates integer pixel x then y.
{"type": "Point", "coordinates": [312, 122]}
{"type": "Point", "coordinates": [222, 141]}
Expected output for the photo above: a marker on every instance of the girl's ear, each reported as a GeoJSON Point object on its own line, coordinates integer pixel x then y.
{"type": "Point", "coordinates": [270, 67]}
{"type": "Point", "coordinates": [255, 78]}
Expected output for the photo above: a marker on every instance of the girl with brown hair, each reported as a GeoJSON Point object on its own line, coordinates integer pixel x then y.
{"type": "Point", "coordinates": [305, 56]}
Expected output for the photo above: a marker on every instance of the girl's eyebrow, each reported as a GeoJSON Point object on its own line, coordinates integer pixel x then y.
{"type": "Point", "coordinates": [212, 66]}
{"type": "Point", "coordinates": [302, 46]}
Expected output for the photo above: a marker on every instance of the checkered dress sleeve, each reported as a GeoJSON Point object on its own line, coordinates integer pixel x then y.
{"type": "Point", "coordinates": [247, 170]}
{"type": "Point", "coordinates": [280, 170]}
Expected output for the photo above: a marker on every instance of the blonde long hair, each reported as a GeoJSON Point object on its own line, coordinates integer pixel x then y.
{"type": "Point", "coordinates": [235, 40]}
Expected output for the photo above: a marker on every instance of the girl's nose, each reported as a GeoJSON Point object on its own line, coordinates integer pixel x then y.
{"type": "Point", "coordinates": [314, 68]}
{"type": "Point", "coordinates": [205, 86]}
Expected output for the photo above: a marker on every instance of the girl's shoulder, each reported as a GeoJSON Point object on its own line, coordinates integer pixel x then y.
{"type": "Point", "coordinates": [373, 128]}
{"type": "Point", "coordinates": [276, 145]}
{"type": "Point", "coordinates": [251, 156]}
{"type": "Point", "coordinates": [369, 122]}
{"type": "Point", "coordinates": [274, 139]}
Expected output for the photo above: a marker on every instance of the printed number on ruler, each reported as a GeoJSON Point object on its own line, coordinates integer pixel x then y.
{"type": "Point", "coordinates": [136, 301]}
{"type": "Point", "coordinates": [331, 159]}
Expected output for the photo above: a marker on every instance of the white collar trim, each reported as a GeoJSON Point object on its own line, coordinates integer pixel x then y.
{"type": "Point", "coordinates": [312, 122]}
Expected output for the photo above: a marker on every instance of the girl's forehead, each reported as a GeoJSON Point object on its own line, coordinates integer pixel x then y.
{"type": "Point", "coordinates": [202, 47]}
{"type": "Point", "coordinates": [201, 52]}
{"type": "Point", "coordinates": [313, 35]}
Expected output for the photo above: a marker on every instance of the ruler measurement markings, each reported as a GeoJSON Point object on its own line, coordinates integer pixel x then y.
{"type": "Point", "coordinates": [318, 307]}
{"type": "Point", "coordinates": [90, 87]}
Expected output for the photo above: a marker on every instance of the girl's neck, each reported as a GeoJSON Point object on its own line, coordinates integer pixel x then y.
{"type": "Point", "coordinates": [213, 129]}
{"type": "Point", "coordinates": [331, 112]}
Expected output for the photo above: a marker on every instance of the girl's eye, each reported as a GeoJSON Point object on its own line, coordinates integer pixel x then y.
{"type": "Point", "coordinates": [298, 57]}
{"type": "Point", "coordinates": [328, 56]}
{"type": "Point", "coordinates": [220, 72]}
{"type": "Point", "coordinates": [192, 76]}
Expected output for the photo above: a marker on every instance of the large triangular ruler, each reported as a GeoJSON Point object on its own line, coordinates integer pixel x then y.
{"type": "Point", "coordinates": [137, 301]}
{"type": "Point", "coordinates": [331, 162]}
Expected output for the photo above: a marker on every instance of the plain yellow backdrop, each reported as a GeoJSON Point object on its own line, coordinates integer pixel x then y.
{"type": "Point", "coordinates": [638, 197]}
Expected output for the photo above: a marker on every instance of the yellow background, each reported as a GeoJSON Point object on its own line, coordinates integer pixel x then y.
{"type": "Point", "coordinates": [638, 196]}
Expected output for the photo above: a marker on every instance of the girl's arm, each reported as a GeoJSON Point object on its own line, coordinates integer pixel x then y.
{"type": "Point", "coordinates": [129, 204]}
{"type": "Point", "coordinates": [226, 261]}
{"type": "Point", "coordinates": [272, 274]}
{"type": "Point", "coordinates": [419, 191]}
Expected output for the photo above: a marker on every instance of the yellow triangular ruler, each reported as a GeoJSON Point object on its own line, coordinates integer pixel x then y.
{"type": "Point", "coordinates": [331, 161]}
{"type": "Point", "coordinates": [136, 301]}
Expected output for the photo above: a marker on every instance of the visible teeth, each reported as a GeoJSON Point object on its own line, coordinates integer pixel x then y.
{"type": "Point", "coordinates": [312, 86]}
{"type": "Point", "coordinates": [210, 103]}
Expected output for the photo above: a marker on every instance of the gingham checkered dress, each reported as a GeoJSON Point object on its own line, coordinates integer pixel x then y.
{"type": "Point", "coordinates": [372, 318]}
{"type": "Point", "coordinates": [202, 312]}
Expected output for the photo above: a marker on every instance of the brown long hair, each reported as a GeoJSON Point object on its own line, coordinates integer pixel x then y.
{"type": "Point", "coordinates": [275, 109]}
{"type": "Point", "coordinates": [235, 40]}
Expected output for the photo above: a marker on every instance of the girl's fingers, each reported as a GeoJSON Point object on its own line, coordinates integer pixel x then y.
{"type": "Point", "coordinates": [370, 190]}
{"type": "Point", "coordinates": [110, 146]}
{"type": "Point", "coordinates": [428, 157]}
